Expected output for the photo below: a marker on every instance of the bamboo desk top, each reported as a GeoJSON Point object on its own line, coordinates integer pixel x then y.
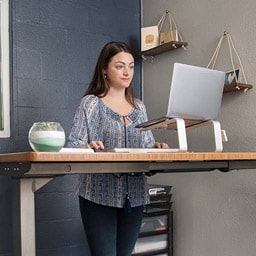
{"type": "Point", "coordinates": [51, 164]}
{"type": "Point", "coordinates": [124, 157]}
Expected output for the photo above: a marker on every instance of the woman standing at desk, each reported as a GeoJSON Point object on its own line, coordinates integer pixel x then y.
{"type": "Point", "coordinates": [111, 205]}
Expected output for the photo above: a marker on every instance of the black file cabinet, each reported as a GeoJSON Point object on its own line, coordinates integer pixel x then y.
{"type": "Point", "coordinates": [156, 233]}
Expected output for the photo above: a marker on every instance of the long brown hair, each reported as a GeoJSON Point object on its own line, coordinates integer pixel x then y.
{"type": "Point", "coordinates": [98, 86]}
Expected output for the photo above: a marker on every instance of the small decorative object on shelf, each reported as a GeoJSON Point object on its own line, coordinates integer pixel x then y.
{"type": "Point", "coordinates": [46, 136]}
{"type": "Point", "coordinates": [161, 41]}
{"type": "Point", "coordinates": [233, 81]}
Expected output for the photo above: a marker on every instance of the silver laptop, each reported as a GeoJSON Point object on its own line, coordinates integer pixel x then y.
{"type": "Point", "coordinates": [195, 95]}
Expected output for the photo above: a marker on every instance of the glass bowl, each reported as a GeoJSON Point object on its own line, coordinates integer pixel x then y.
{"type": "Point", "coordinates": [46, 136]}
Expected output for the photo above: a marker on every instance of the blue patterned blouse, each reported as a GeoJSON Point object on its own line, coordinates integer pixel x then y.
{"type": "Point", "coordinates": [95, 121]}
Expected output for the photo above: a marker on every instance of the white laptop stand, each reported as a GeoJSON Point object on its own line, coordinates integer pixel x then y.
{"type": "Point", "coordinates": [182, 136]}
{"type": "Point", "coordinates": [181, 126]}
{"type": "Point", "coordinates": [216, 130]}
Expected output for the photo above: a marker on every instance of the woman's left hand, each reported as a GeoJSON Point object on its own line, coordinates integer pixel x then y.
{"type": "Point", "coordinates": [96, 144]}
{"type": "Point", "coordinates": [160, 145]}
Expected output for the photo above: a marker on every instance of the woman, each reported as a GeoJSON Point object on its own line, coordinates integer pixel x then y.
{"type": "Point", "coordinates": [111, 205]}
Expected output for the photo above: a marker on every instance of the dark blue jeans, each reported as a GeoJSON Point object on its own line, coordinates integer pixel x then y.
{"type": "Point", "coordinates": [110, 231]}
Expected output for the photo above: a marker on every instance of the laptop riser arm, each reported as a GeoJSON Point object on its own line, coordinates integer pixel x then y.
{"type": "Point", "coordinates": [180, 125]}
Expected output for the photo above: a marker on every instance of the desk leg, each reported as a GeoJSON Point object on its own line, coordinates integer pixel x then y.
{"type": "Point", "coordinates": [24, 242]}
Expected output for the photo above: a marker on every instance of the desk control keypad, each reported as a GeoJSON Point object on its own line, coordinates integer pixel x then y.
{"type": "Point", "coordinates": [14, 169]}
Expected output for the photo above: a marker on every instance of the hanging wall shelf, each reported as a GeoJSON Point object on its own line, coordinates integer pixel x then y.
{"type": "Point", "coordinates": [154, 41]}
{"type": "Point", "coordinates": [236, 87]}
{"type": "Point", "coordinates": [164, 48]}
{"type": "Point", "coordinates": [238, 83]}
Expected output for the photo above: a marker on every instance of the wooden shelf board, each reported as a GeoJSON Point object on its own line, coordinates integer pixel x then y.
{"type": "Point", "coordinates": [164, 48]}
{"type": "Point", "coordinates": [236, 87]}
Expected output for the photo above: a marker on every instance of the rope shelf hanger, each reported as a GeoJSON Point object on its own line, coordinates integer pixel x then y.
{"type": "Point", "coordinates": [167, 40]}
{"type": "Point", "coordinates": [172, 36]}
{"type": "Point", "coordinates": [234, 86]}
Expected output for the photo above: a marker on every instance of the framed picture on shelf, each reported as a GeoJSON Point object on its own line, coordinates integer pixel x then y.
{"type": "Point", "coordinates": [232, 76]}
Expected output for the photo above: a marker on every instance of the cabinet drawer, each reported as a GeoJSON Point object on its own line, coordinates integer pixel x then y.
{"type": "Point", "coordinates": [154, 223]}
{"type": "Point", "coordinates": [151, 243]}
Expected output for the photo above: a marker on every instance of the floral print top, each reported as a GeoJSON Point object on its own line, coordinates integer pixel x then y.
{"type": "Point", "coordinates": [95, 121]}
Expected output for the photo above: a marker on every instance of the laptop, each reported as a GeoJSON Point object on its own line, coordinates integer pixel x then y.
{"type": "Point", "coordinates": [195, 96]}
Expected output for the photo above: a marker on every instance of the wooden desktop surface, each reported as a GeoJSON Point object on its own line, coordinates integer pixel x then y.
{"type": "Point", "coordinates": [124, 157]}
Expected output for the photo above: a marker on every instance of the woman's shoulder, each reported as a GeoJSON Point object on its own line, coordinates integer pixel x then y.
{"type": "Point", "coordinates": [139, 104]}
{"type": "Point", "coordinates": [89, 99]}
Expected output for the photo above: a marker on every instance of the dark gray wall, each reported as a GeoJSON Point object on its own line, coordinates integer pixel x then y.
{"type": "Point", "coordinates": [55, 44]}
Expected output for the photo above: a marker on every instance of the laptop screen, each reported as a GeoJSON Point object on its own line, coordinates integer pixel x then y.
{"type": "Point", "coordinates": [195, 93]}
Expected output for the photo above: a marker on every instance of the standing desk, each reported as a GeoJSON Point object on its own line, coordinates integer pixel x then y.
{"type": "Point", "coordinates": [32, 170]}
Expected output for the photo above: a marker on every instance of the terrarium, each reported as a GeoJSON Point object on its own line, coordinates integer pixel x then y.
{"type": "Point", "coordinates": [46, 136]}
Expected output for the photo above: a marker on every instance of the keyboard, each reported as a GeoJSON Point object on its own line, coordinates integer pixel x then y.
{"type": "Point", "coordinates": [144, 150]}
{"type": "Point", "coordinates": [77, 150]}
